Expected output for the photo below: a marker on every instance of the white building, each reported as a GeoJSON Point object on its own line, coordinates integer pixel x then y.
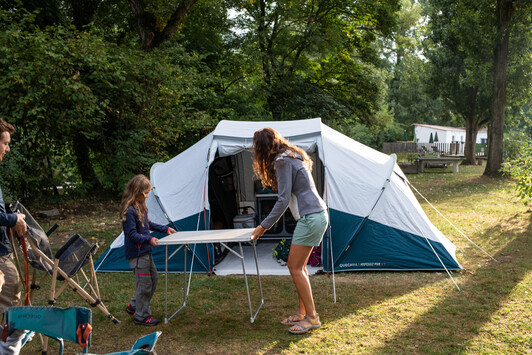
{"type": "Point", "coordinates": [446, 134]}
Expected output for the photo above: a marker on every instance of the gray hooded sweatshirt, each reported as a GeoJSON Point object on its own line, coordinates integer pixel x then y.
{"type": "Point", "coordinates": [296, 189]}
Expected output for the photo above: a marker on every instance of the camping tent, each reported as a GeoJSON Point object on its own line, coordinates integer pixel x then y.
{"type": "Point", "coordinates": [376, 223]}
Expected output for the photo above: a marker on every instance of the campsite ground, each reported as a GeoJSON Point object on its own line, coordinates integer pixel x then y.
{"type": "Point", "coordinates": [376, 312]}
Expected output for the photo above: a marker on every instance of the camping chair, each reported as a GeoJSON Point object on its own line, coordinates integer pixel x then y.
{"type": "Point", "coordinates": [143, 346]}
{"type": "Point", "coordinates": [73, 324]}
{"type": "Point", "coordinates": [66, 265]}
{"type": "Point", "coordinates": [30, 256]}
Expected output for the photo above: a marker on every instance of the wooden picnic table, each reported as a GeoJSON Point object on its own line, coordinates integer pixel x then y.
{"type": "Point", "coordinates": [440, 160]}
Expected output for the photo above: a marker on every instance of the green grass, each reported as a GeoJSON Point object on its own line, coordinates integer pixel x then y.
{"type": "Point", "coordinates": [376, 312]}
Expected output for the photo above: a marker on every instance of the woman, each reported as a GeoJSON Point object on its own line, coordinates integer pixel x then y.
{"type": "Point", "coordinates": [287, 169]}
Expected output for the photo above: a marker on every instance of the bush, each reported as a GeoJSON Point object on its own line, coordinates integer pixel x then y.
{"type": "Point", "coordinates": [520, 168]}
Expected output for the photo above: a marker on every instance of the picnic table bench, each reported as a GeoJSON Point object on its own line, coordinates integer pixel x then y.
{"type": "Point", "coordinates": [440, 160]}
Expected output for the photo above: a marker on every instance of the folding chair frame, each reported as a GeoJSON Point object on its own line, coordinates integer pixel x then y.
{"type": "Point", "coordinates": [92, 297]}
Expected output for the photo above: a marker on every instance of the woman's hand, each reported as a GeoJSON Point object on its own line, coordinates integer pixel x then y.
{"type": "Point", "coordinates": [154, 242]}
{"type": "Point", "coordinates": [258, 232]}
{"type": "Point", "coordinates": [171, 230]}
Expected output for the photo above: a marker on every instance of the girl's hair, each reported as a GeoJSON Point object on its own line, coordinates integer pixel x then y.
{"type": "Point", "coordinates": [267, 145]}
{"type": "Point", "coordinates": [134, 189]}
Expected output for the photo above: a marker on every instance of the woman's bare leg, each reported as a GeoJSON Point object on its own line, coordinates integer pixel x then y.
{"type": "Point", "coordinates": [297, 262]}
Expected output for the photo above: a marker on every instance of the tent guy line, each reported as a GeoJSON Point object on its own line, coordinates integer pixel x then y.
{"type": "Point", "coordinates": [456, 228]}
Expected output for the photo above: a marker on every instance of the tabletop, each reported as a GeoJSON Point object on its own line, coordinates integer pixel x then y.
{"type": "Point", "coordinates": [208, 236]}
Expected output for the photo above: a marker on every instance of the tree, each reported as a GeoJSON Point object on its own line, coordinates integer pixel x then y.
{"type": "Point", "coordinates": [407, 90]}
{"type": "Point", "coordinates": [318, 58]}
{"type": "Point", "coordinates": [504, 13]}
{"type": "Point", "coordinates": [475, 32]}
{"type": "Point", "coordinates": [156, 21]}
{"type": "Point", "coordinates": [91, 114]}
{"type": "Point", "coordinates": [458, 50]}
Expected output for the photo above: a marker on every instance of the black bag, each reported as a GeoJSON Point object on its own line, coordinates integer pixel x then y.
{"type": "Point", "coordinates": [282, 250]}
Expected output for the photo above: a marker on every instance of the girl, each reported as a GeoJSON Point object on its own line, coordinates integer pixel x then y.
{"type": "Point", "coordinates": [138, 245]}
{"type": "Point", "coordinates": [287, 169]}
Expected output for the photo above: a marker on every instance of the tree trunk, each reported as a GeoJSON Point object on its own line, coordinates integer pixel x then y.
{"type": "Point", "coordinates": [472, 126]}
{"type": "Point", "coordinates": [152, 33]}
{"type": "Point", "coordinates": [504, 12]}
{"type": "Point", "coordinates": [470, 142]}
{"type": "Point", "coordinates": [86, 171]}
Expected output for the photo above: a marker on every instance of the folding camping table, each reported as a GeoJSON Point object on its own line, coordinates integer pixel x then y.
{"type": "Point", "coordinates": [222, 236]}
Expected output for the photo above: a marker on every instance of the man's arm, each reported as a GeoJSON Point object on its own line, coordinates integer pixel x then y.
{"type": "Point", "coordinates": [8, 219]}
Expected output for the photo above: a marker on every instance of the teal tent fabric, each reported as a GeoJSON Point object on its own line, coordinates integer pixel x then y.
{"type": "Point", "coordinates": [380, 247]}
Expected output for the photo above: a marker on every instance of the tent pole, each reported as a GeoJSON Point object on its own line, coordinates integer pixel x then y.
{"type": "Point", "coordinates": [105, 257]}
{"type": "Point", "coordinates": [332, 262]}
{"type": "Point", "coordinates": [205, 218]}
{"type": "Point", "coordinates": [361, 224]}
{"type": "Point", "coordinates": [329, 239]}
{"type": "Point", "coordinates": [154, 191]}
{"type": "Point", "coordinates": [329, 233]}
{"type": "Point", "coordinates": [458, 230]}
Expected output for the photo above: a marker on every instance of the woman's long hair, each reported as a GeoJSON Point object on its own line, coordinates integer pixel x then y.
{"type": "Point", "coordinates": [267, 145]}
{"type": "Point", "coordinates": [134, 189]}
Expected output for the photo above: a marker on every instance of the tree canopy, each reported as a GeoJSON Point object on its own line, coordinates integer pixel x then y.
{"type": "Point", "coordinates": [100, 90]}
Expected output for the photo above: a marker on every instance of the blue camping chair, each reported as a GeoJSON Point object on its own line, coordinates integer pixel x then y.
{"type": "Point", "coordinates": [72, 324]}
{"type": "Point", "coordinates": [143, 346]}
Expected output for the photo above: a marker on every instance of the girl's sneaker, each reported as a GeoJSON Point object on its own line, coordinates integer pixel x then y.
{"type": "Point", "coordinates": [130, 309]}
{"type": "Point", "coordinates": [148, 321]}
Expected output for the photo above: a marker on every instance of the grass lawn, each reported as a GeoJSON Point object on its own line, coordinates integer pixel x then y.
{"type": "Point", "coordinates": [376, 312]}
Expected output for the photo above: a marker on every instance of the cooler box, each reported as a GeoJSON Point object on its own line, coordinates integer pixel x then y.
{"type": "Point", "coordinates": [244, 221]}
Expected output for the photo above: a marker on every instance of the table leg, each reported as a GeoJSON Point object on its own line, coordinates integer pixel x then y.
{"type": "Point", "coordinates": [260, 283]}
{"type": "Point", "coordinates": [251, 315]}
{"type": "Point", "coordinates": [184, 247]}
{"type": "Point", "coordinates": [455, 167]}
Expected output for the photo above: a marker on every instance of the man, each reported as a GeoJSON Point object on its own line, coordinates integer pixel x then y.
{"type": "Point", "coordinates": [10, 290]}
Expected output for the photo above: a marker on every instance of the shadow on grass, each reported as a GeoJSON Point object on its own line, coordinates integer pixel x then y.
{"type": "Point", "coordinates": [216, 317]}
{"type": "Point", "coordinates": [450, 325]}
{"type": "Point", "coordinates": [356, 291]}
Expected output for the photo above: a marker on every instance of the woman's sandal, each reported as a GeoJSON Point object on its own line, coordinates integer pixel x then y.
{"type": "Point", "coordinates": [305, 325]}
{"type": "Point", "coordinates": [296, 318]}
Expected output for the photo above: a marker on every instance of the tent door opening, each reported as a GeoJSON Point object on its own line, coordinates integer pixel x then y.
{"type": "Point", "coordinates": [236, 194]}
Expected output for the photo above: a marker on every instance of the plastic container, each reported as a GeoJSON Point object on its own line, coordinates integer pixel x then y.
{"type": "Point", "coordinates": [244, 220]}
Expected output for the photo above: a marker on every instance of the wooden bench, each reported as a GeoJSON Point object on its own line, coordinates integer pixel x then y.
{"type": "Point", "coordinates": [440, 160]}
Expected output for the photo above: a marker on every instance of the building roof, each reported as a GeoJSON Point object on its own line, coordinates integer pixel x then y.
{"type": "Point", "coordinates": [446, 128]}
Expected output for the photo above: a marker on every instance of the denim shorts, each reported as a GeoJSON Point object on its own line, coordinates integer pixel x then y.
{"type": "Point", "coordinates": [310, 229]}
